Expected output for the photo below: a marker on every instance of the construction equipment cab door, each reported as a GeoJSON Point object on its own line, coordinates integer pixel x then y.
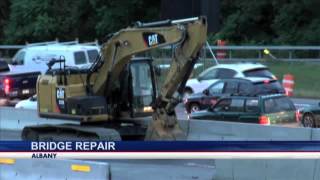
{"type": "Point", "coordinates": [143, 87]}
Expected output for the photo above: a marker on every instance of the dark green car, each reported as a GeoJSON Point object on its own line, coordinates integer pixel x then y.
{"type": "Point", "coordinates": [266, 110]}
{"type": "Point", "coordinates": [310, 116]}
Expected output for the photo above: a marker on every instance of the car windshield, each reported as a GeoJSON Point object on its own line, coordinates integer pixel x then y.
{"type": "Point", "coordinates": [275, 105]}
{"type": "Point", "coordinates": [268, 87]}
{"type": "Point", "coordinates": [261, 72]}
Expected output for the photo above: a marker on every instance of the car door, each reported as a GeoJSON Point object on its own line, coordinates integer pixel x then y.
{"type": "Point", "coordinates": [286, 110]}
{"type": "Point", "coordinates": [234, 111]}
{"type": "Point", "coordinates": [270, 110]}
{"type": "Point", "coordinates": [217, 111]}
{"type": "Point", "coordinates": [231, 88]}
{"type": "Point", "coordinates": [214, 93]}
{"type": "Point", "coordinates": [252, 111]}
{"type": "Point", "coordinates": [279, 110]}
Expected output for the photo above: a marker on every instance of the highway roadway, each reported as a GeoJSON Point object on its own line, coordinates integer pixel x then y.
{"type": "Point", "coordinates": [161, 169]}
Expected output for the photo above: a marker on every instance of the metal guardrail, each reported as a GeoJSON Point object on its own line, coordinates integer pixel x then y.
{"type": "Point", "coordinates": [256, 53]}
{"type": "Point", "coordinates": [232, 53]}
{"type": "Point", "coordinates": [287, 53]}
{"type": "Point", "coordinates": [265, 47]}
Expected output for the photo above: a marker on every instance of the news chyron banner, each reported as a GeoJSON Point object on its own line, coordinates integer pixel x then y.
{"type": "Point", "coordinates": [160, 149]}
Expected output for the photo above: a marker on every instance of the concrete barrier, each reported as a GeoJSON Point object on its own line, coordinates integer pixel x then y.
{"type": "Point", "coordinates": [215, 130]}
{"type": "Point", "coordinates": [53, 169]}
{"type": "Point", "coordinates": [17, 119]}
{"type": "Point", "coordinates": [295, 169]}
{"type": "Point", "coordinates": [315, 134]}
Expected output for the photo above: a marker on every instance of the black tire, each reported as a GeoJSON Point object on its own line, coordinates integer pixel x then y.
{"type": "Point", "coordinates": [194, 107]}
{"type": "Point", "coordinates": [308, 120]}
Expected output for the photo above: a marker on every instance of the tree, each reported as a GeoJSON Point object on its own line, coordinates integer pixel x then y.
{"type": "Point", "coordinates": [270, 22]}
{"type": "Point", "coordinates": [4, 15]}
{"type": "Point", "coordinates": [43, 20]}
{"type": "Point", "coordinates": [246, 21]}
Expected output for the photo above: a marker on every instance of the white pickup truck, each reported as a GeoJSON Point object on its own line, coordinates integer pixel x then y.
{"type": "Point", "coordinates": [35, 58]}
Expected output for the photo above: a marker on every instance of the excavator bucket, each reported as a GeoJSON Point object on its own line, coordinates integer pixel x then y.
{"type": "Point", "coordinates": [156, 131]}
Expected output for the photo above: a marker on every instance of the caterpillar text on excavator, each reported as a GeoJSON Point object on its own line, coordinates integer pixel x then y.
{"type": "Point", "coordinates": [119, 87]}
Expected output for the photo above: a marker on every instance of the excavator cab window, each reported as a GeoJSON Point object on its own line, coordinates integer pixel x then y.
{"type": "Point", "coordinates": [143, 88]}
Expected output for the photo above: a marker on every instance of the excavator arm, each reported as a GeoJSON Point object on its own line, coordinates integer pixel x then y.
{"type": "Point", "coordinates": [187, 36]}
{"type": "Point", "coordinates": [165, 126]}
{"type": "Point", "coordinates": [119, 49]}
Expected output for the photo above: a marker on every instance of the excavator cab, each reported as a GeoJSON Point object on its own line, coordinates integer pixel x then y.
{"type": "Point", "coordinates": [133, 93]}
{"type": "Point", "coordinates": [143, 86]}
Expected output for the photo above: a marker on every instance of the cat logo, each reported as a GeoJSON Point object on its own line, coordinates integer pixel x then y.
{"type": "Point", "coordinates": [60, 93]}
{"type": "Point", "coordinates": [152, 39]}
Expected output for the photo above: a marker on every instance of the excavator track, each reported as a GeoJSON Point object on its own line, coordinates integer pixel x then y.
{"type": "Point", "coordinates": [67, 132]}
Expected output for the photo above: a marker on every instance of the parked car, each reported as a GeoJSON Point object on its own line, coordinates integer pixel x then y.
{"type": "Point", "coordinates": [235, 86]}
{"type": "Point", "coordinates": [224, 71]}
{"type": "Point", "coordinates": [30, 103]}
{"type": "Point", "coordinates": [310, 116]}
{"type": "Point", "coordinates": [16, 83]}
{"type": "Point", "coordinates": [35, 58]}
{"type": "Point", "coordinates": [264, 109]}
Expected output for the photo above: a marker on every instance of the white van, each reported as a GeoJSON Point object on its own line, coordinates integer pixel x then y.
{"type": "Point", "coordinates": [35, 58]}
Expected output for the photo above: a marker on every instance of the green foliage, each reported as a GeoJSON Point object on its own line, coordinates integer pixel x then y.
{"type": "Point", "coordinates": [4, 15]}
{"type": "Point", "coordinates": [270, 22]}
{"type": "Point", "coordinates": [293, 22]}
{"type": "Point", "coordinates": [43, 20]}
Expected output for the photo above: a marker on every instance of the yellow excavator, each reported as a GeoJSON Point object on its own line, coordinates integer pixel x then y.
{"type": "Point", "coordinates": [119, 87]}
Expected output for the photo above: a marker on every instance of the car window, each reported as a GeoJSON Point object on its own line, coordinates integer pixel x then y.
{"type": "Point", "coordinates": [231, 87]}
{"type": "Point", "coordinates": [217, 88]}
{"type": "Point", "coordinates": [252, 105]}
{"type": "Point", "coordinates": [237, 105]}
{"type": "Point", "coordinates": [212, 74]}
{"type": "Point", "coordinates": [278, 105]}
{"type": "Point", "coordinates": [80, 57]}
{"type": "Point", "coordinates": [92, 54]}
{"type": "Point", "coordinates": [230, 105]}
{"type": "Point", "coordinates": [285, 104]}
{"type": "Point", "coordinates": [226, 73]}
{"type": "Point", "coordinates": [268, 87]}
{"type": "Point", "coordinates": [261, 72]}
{"type": "Point", "coordinates": [19, 58]}
{"type": "Point", "coordinates": [244, 88]}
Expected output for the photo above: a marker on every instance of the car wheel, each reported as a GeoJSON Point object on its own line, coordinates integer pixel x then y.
{"type": "Point", "coordinates": [308, 121]}
{"type": "Point", "coordinates": [194, 107]}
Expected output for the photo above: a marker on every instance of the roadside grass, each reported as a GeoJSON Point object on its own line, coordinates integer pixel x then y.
{"type": "Point", "coordinates": [306, 76]}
